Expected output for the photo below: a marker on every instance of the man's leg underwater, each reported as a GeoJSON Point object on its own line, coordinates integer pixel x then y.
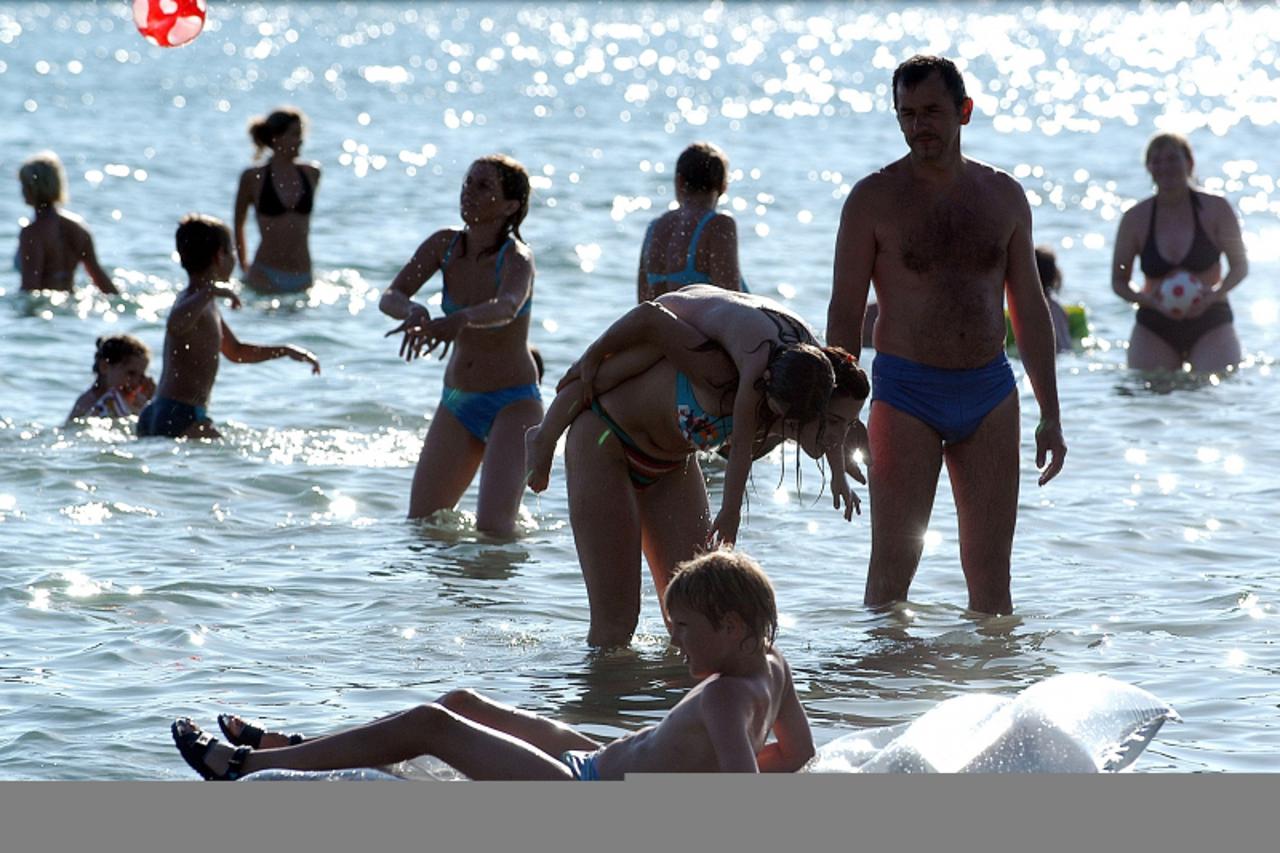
{"type": "Point", "coordinates": [906, 458]}
{"type": "Point", "coordinates": [984, 480]}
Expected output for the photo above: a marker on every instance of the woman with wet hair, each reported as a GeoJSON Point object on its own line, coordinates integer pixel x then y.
{"type": "Point", "coordinates": [282, 192]}
{"type": "Point", "coordinates": [491, 395]}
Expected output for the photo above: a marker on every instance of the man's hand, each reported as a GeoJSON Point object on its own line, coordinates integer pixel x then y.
{"type": "Point", "coordinates": [1050, 445]}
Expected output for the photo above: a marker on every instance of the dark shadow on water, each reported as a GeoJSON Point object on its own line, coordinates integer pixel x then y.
{"type": "Point", "coordinates": [916, 656]}
{"type": "Point", "coordinates": [1161, 382]}
{"type": "Point", "coordinates": [624, 688]}
{"type": "Point", "coordinates": [465, 563]}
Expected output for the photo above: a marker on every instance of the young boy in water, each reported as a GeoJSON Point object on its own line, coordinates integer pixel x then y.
{"type": "Point", "coordinates": [723, 618]}
{"type": "Point", "coordinates": [195, 334]}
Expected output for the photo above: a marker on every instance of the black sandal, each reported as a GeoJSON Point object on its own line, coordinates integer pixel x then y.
{"type": "Point", "coordinates": [194, 745]}
{"type": "Point", "coordinates": [250, 735]}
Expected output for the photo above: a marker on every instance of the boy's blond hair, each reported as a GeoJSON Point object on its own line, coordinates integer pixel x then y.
{"type": "Point", "coordinates": [43, 180]}
{"type": "Point", "coordinates": [721, 582]}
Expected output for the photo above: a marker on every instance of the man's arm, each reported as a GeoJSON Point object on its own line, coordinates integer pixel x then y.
{"type": "Point", "coordinates": [1033, 332]}
{"type": "Point", "coordinates": [855, 257]}
{"type": "Point", "coordinates": [793, 746]}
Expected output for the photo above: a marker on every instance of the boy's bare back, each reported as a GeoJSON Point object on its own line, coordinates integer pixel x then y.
{"type": "Point", "coordinates": [191, 351]}
{"type": "Point", "coordinates": [721, 725]}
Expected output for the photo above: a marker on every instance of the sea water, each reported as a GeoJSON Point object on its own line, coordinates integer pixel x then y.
{"type": "Point", "coordinates": [273, 573]}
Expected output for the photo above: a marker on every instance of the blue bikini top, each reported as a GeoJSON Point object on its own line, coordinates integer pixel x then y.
{"type": "Point", "coordinates": [449, 305]}
{"type": "Point", "coordinates": [700, 428]}
{"type": "Point", "coordinates": [688, 275]}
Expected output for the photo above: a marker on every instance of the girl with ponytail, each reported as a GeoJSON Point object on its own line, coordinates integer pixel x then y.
{"type": "Point", "coordinates": [491, 394]}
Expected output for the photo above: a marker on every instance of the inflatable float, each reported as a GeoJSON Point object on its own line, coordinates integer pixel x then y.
{"type": "Point", "coordinates": [1071, 723]}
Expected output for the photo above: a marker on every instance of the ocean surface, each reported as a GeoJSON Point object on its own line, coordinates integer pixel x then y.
{"type": "Point", "coordinates": [274, 573]}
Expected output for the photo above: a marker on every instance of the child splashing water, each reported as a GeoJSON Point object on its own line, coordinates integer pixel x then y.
{"type": "Point", "coordinates": [724, 618]}
{"type": "Point", "coordinates": [771, 348]}
{"type": "Point", "coordinates": [121, 386]}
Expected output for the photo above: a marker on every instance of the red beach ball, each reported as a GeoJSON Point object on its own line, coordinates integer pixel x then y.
{"type": "Point", "coordinates": [169, 23]}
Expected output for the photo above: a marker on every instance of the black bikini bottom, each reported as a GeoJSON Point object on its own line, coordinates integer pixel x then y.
{"type": "Point", "coordinates": [1182, 335]}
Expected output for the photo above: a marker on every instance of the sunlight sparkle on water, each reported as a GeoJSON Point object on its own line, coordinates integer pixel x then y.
{"type": "Point", "coordinates": [1208, 454]}
{"type": "Point", "coordinates": [1233, 464]}
{"type": "Point", "coordinates": [1167, 483]}
{"type": "Point", "coordinates": [1135, 456]}
{"type": "Point", "coordinates": [1265, 312]}
{"type": "Point", "coordinates": [80, 585]}
{"type": "Point", "coordinates": [1236, 658]}
{"type": "Point", "coordinates": [342, 507]}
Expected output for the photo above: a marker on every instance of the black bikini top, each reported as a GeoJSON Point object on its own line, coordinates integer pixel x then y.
{"type": "Point", "coordinates": [269, 203]}
{"type": "Point", "coordinates": [1202, 255]}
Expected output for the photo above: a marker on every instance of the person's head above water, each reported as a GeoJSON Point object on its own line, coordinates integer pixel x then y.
{"type": "Point", "coordinates": [501, 180]}
{"type": "Point", "coordinates": [1169, 159]}
{"type": "Point", "coordinates": [798, 382]}
{"type": "Point", "coordinates": [702, 168]}
{"type": "Point", "coordinates": [43, 181]}
{"type": "Point", "coordinates": [919, 68]}
{"type": "Point", "coordinates": [281, 129]}
{"type": "Point", "coordinates": [199, 239]}
{"type": "Point", "coordinates": [120, 357]}
{"type": "Point", "coordinates": [931, 105]}
{"type": "Point", "coordinates": [1047, 266]}
{"type": "Point", "coordinates": [722, 582]}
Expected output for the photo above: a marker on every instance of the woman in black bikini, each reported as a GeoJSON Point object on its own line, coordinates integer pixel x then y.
{"type": "Point", "coordinates": [282, 192]}
{"type": "Point", "coordinates": [1180, 222]}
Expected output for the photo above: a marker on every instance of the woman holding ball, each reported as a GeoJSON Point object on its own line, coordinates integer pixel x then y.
{"type": "Point", "coordinates": [1179, 236]}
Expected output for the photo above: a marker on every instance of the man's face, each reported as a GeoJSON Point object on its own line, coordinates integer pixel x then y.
{"type": "Point", "coordinates": [929, 118]}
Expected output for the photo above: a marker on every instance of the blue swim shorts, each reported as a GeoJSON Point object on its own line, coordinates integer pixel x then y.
{"type": "Point", "coordinates": [952, 402]}
{"type": "Point", "coordinates": [582, 764]}
{"type": "Point", "coordinates": [165, 417]}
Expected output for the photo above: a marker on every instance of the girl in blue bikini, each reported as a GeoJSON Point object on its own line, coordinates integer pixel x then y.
{"type": "Point", "coordinates": [692, 244]}
{"type": "Point", "coordinates": [491, 392]}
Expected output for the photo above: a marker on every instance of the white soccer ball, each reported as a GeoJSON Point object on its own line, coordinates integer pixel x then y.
{"type": "Point", "coordinates": [1178, 293]}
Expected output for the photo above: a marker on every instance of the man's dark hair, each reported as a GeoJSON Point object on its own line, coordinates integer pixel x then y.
{"type": "Point", "coordinates": [919, 68]}
{"type": "Point", "coordinates": [198, 239]}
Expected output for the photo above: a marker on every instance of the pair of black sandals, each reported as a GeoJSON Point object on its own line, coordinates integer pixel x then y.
{"type": "Point", "coordinates": [194, 744]}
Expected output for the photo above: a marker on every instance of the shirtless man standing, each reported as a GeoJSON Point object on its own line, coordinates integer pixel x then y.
{"type": "Point", "coordinates": [944, 238]}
